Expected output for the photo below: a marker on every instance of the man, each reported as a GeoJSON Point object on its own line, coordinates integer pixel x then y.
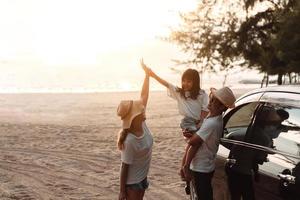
{"type": "Point", "coordinates": [240, 175]}
{"type": "Point", "coordinates": [200, 161]}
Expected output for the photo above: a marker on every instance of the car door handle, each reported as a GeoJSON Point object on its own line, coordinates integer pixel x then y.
{"type": "Point", "coordinates": [230, 161]}
{"type": "Point", "coordinates": [288, 179]}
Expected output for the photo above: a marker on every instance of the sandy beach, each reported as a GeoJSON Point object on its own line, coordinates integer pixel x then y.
{"type": "Point", "coordinates": [63, 146]}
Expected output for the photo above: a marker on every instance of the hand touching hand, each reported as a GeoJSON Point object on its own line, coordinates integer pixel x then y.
{"type": "Point", "coordinates": [147, 70]}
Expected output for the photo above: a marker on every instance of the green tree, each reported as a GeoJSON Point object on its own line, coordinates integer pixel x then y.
{"type": "Point", "coordinates": [287, 43]}
{"type": "Point", "coordinates": [204, 34]}
{"type": "Point", "coordinates": [219, 35]}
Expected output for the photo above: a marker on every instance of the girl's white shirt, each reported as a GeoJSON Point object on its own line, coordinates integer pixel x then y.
{"type": "Point", "coordinates": [189, 107]}
{"type": "Point", "coordinates": [137, 153]}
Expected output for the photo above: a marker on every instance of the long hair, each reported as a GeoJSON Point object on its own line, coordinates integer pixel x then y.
{"type": "Point", "coordinates": [193, 75]}
{"type": "Point", "coordinates": [121, 138]}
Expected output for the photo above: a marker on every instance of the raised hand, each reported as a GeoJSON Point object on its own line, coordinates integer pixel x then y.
{"type": "Point", "coordinates": [150, 73]}
{"type": "Point", "coordinates": [147, 70]}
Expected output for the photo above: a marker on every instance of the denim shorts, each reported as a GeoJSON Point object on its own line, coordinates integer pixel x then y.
{"type": "Point", "coordinates": [143, 185]}
{"type": "Point", "coordinates": [189, 124]}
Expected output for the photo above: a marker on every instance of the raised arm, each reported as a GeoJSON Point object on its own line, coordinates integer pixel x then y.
{"type": "Point", "coordinates": [155, 76]}
{"type": "Point", "coordinates": [145, 87]}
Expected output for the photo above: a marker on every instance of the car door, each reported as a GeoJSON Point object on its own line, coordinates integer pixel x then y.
{"type": "Point", "coordinates": [274, 158]}
{"type": "Point", "coordinates": [278, 152]}
{"type": "Point", "coordinates": [236, 122]}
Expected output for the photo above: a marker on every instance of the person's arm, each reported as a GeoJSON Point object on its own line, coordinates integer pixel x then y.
{"type": "Point", "coordinates": [159, 79]}
{"type": "Point", "coordinates": [123, 178]}
{"type": "Point", "coordinates": [155, 76]}
{"type": "Point", "coordinates": [195, 142]}
{"type": "Point", "coordinates": [203, 115]}
{"type": "Point", "coordinates": [145, 87]}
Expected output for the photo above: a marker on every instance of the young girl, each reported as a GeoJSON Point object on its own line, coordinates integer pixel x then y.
{"type": "Point", "coordinates": [135, 142]}
{"type": "Point", "coordinates": [191, 100]}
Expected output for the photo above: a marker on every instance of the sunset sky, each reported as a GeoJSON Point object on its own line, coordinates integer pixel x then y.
{"type": "Point", "coordinates": [85, 43]}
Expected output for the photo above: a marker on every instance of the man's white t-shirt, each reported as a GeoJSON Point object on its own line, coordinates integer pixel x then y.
{"type": "Point", "coordinates": [210, 132]}
{"type": "Point", "coordinates": [189, 107]}
{"type": "Point", "coordinates": [137, 153]}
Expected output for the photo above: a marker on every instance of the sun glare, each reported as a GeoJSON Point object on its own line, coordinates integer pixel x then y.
{"type": "Point", "coordinates": [125, 86]}
{"type": "Point", "coordinates": [59, 31]}
{"type": "Point", "coordinates": [68, 35]}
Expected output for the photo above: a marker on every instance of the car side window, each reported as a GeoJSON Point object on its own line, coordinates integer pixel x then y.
{"type": "Point", "coordinates": [239, 121]}
{"type": "Point", "coordinates": [277, 126]}
{"type": "Point", "coordinates": [284, 134]}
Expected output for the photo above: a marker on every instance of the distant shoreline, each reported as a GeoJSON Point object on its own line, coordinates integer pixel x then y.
{"type": "Point", "coordinates": [97, 91]}
{"type": "Point", "coordinates": [237, 91]}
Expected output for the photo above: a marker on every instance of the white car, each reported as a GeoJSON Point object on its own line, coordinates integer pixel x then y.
{"type": "Point", "coordinates": [259, 156]}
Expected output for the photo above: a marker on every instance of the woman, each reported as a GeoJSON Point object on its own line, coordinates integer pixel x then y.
{"type": "Point", "coordinates": [135, 142]}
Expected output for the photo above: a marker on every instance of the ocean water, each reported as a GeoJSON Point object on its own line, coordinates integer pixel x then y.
{"type": "Point", "coordinates": [123, 83]}
{"type": "Point", "coordinates": [116, 87]}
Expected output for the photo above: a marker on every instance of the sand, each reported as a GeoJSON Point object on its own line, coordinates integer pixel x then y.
{"type": "Point", "coordinates": [63, 146]}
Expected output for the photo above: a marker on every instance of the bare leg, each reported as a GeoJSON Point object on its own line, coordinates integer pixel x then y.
{"type": "Point", "coordinates": [181, 171]}
{"type": "Point", "coordinates": [135, 194]}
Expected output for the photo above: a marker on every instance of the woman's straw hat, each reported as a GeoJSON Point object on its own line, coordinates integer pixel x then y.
{"type": "Point", "coordinates": [128, 110]}
{"type": "Point", "coordinates": [225, 96]}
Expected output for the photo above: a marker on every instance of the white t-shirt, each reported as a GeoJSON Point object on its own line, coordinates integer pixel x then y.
{"type": "Point", "coordinates": [210, 132]}
{"type": "Point", "coordinates": [189, 107]}
{"type": "Point", "coordinates": [137, 153]}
